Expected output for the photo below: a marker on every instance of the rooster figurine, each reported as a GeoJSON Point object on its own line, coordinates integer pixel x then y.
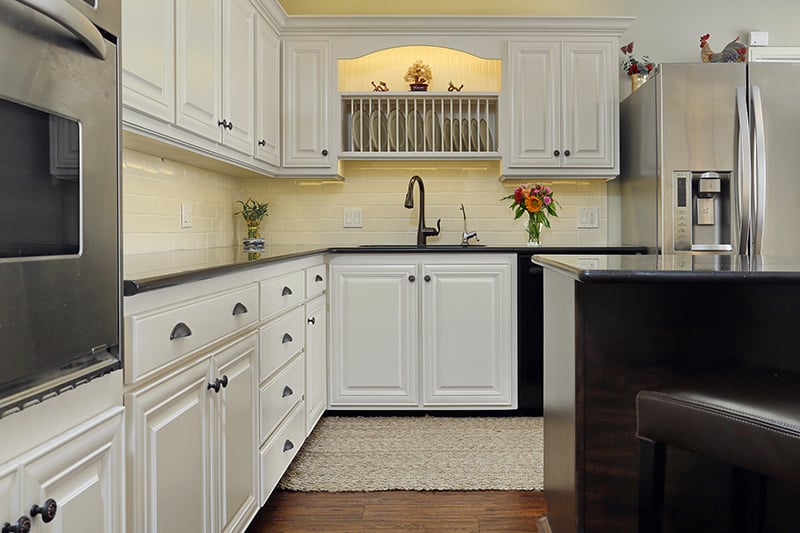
{"type": "Point", "coordinates": [734, 52]}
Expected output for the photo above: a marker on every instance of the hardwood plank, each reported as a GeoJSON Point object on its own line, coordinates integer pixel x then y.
{"type": "Point", "coordinates": [417, 511]}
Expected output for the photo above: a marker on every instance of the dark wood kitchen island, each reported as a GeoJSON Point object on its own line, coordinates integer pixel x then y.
{"type": "Point", "coordinates": [631, 322]}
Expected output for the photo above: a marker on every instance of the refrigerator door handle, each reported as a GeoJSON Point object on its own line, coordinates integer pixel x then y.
{"type": "Point", "coordinates": [760, 169]}
{"type": "Point", "coordinates": [743, 172]}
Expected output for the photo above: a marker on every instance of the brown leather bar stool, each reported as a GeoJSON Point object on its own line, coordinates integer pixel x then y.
{"type": "Point", "coordinates": [748, 417]}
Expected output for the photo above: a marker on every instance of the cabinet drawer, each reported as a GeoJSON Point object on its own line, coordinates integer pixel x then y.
{"type": "Point", "coordinates": [281, 394]}
{"type": "Point", "coordinates": [316, 280]}
{"type": "Point", "coordinates": [281, 293]}
{"type": "Point", "coordinates": [280, 340]}
{"type": "Point", "coordinates": [159, 337]}
{"type": "Point", "coordinates": [280, 450]}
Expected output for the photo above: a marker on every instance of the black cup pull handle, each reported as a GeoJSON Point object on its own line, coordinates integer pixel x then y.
{"type": "Point", "coordinates": [312, 320]}
{"type": "Point", "coordinates": [48, 510]}
{"type": "Point", "coordinates": [287, 391]}
{"type": "Point", "coordinates": [180, 331]}
{"type": "Point", "coordinates": [23, 524]}
{"type": "Point", "coordinates": [239, 309]}
{"type": "Point", "coordinates": [318, 278]}
{"type": "Point", "coordinates": [286, 338]}
{"type": "Point", "coordinates": [288, 445]}
{"type": "Point", "coordinates": [286, 291]}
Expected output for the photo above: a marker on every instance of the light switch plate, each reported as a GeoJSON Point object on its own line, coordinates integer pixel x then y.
{"type": "Point", "coordinates": [353, 217]}
{"type": "Point", "coordinates": [588, 217]}
{"type": "Point", "coordinates": [186, 215]}
{"type": "Point", "coordinates": [759, 38]}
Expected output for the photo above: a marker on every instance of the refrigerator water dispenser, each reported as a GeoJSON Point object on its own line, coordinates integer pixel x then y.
{"type": "Point", "coordinates": [702, 211]}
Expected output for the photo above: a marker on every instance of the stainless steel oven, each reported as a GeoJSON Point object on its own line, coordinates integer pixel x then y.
{"type": "Point", "coordinates": [59, 196]}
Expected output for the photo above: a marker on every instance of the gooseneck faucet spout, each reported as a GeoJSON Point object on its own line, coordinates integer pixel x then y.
{"type": "Point", "coordinates": [423, 232]}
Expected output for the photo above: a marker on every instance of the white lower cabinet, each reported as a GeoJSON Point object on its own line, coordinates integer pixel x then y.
{"type": "Point", "coordinates": [193, 454]}
{"type": "Point", "coordinates": [440, 324]}
{"type": "Point", "coordinates": [71, 484]}
{"type": "Point", "coordinates": [316, 362]}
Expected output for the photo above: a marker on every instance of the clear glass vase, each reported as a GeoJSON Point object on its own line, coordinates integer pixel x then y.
{"type": "Point", "coordinates": [534, 231]}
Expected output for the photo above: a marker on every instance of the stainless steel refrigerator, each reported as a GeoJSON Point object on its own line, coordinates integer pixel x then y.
{"type": "Point", "coordinates": [710, 160]}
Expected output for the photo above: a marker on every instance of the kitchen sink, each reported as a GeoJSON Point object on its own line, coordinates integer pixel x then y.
{"type": "Point", "coordinates": [418, 247]}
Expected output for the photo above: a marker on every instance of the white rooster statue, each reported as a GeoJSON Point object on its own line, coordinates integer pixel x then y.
{"type": "Point", "coordinates": [734, 52]}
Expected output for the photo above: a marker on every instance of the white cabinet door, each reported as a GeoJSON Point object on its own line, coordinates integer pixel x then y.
{"type": "Point", "coordinates": [589, 108]}
{"type": "Point", "coordinates": [467, 334]}
{"type": "Point", "coordinates": [306, 80]}
{"type": "Point", "coordinates": [316, 362]}
{"type": "Point", "coordinates": [238, 80]}
{"type": "Point", "coordinates": [268, 101]}
{"type": "Point", "coordinates": [148, 57]}
{"type": "Point", "coordinates": [198, 67]}
{"type": "Point", "coordinates": [83, 476]}
{"type": "Point", "coordinates": [535, 104]}
{"type": "Point", "coordinates": [237, 423]}
{"type": "Point", "coordinates": [169, 470]}
{"type": "Point", "coordinates": [374, 335]}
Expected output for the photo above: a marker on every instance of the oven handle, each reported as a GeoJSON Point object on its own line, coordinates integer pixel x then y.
{"type": "Point", "coordinates": [73, 20]}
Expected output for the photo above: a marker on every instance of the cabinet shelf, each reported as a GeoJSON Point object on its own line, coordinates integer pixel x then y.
{"type": "Point", "coordinates": [419, 125]}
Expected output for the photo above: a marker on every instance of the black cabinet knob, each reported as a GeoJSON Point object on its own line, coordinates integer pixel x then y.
{"type": "Point", "coordinates": [48, 510]}
{"type": "Point", "coordinates": [324, 152]}
{"type": "Point", "coordinates": [556, 153]}
{"type": "Point", "coordinates": [218, 383]}
{"type": "Point", "coordinates": [262, 142]}
{"type": "Point", "coordinates": [312, 320]}
{"type": "Point", "coordinates": [566, 153]}
{"type": "Point", "coordinates": [427, 278]}
{"type": "Point", "coordinates": [23, 525]}
{"type": "Point", "coordinates": [412, 278]}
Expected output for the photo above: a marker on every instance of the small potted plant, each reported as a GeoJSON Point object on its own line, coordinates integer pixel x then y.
{"type": "Point", "coordinates": [419, 75]}
{"type": "Point", "coordinates": [253, 212]}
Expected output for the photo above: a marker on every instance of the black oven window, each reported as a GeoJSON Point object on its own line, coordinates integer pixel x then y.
{"type": "Point", "coordinates": [39, 183]}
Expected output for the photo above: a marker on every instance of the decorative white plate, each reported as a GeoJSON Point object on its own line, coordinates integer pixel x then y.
{"type": "Point", "coordinates": [377, 131]}
{"type": "Point", "coordinates": [433, 132]}
{"type": "Point", "coordinates": [455, 136]}
{"type": "Point", "coordinates": [486, 137]}
{"type": "Point", "coordinates": [414, 128]}
{"type": "Point", "coordinates": [360, 130]}
{"type": "Point", "coordinates": [465, 134]}
{"type": "Point", "coordinates": [447, 138]}
{"type": "Point", "coordinates": [473, 130]}
{"type": "Point", "coordinates": [397, 130]}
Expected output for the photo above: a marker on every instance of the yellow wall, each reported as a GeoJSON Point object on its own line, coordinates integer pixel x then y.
{"type": "Point", "coordinates": [460, 7]}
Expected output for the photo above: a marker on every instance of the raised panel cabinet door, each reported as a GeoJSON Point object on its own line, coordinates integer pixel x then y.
{"type": "Point", "coordinates": [268, 100]}
{"type": "Point", "coordinates": [305, 98]}
{"type": "Point", "coordinates": [535, 104]}
{"type": "Point", "coordinates": [238, 447]}
{"type": "Point", "coordinates": [468, 346]}
{"type": "Point", "coordinates": [169, 468]}
{"type": "Point", "coordinates": [11, 509]}
{"type": "Point", "coordinates": [148, 57]}
{"type": "Point", "coordinates": [83, 475]}
{"type": "Point", "coordinates": [316, 362]}
{"type": "Point", "coordinates": [198, 67]}
{"type": "Point", "coordinates": [238, 74]}
{"type": "Point", "coordinates": [373, 359]}
{"type": "Point", "coordinates": [589, 112]}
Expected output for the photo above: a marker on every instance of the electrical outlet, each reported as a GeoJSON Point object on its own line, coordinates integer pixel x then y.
{"type": "Point", "coordinates": [186, 215]}
{"type": "Point", "coordinates": [353, 217]}
{"type": "Point", "coordinates": [588, 263]}
{"type": "Point", "coordinates": [588, 217]}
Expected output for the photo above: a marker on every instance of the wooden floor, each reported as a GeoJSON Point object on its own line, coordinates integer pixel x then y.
{"type": "Point", "coordinates": [431, 511]}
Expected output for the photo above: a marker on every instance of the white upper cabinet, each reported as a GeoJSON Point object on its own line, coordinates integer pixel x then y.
{"type": "Point", "coordinates": [148, 57]}
{"type": "Point", "coordinates": [268, 78]}
{"type": "Point", "coordinates": [306, 126]}
{"type": "Point", "coordinates": [198, 35]}
{"type": "Point", "coordinates": [563, 108]}
{"type": "Point", "coordinates": [238, 74]}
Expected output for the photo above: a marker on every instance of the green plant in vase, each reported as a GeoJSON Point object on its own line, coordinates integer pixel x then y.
{"type": "Point", "coordinates": [253, 212]}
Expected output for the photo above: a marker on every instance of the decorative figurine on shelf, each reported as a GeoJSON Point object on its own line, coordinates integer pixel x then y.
{"type": "Point", "coordinates": [381, 87]}
{"type": "Point", "coordinates": [253, 212]}
{"type": "Point", "coordinates": [419, 75]}
{"type": "Point", "coordinates": [734, 52]}
{"type": "Point", "coordinates": [637, 70]}
{"type": "Point", "coordinates": [452, 88]}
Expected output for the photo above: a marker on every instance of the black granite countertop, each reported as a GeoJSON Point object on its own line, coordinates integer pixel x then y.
{"type": "Point", "coordinates": [143, 272]}
{"type": "Point", "coordinates": [674, 268]}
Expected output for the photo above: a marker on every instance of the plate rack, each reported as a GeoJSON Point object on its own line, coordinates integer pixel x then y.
{"type": "Point", "coordinates": [419, 125]}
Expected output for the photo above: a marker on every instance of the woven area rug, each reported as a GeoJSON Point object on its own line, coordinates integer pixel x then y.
{"type": "Point", "coordinates": [346, 454]}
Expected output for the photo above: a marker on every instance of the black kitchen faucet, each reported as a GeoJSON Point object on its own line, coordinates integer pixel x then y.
{"type": "Point", "coordinates": [423, 232]}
